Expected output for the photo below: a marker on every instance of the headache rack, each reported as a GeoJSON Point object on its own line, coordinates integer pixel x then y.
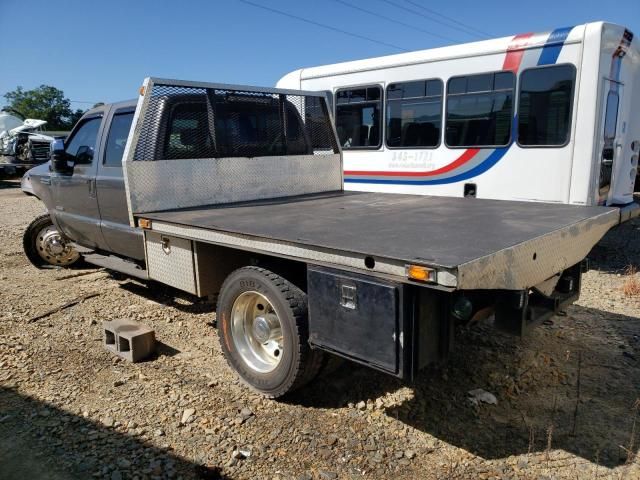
{"type": "Point", "coordinates": [195, 143]}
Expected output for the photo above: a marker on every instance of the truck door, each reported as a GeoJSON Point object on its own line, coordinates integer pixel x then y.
{"type": "Point", "coordinates": [112, 199]}
{"type": "Point", "coordinates": [76, 205]}
{"type": "Point", "coordinates": [615, 183]}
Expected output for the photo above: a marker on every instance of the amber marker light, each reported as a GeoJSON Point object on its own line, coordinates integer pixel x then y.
{"type": "Point", "coordinates": [141, 90]}
{"type": "Point", "coordinates": [144, 223]}
{"type": "Point", "coordinates": [420, 273]}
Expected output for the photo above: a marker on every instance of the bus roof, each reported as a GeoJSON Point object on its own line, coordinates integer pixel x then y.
{"type": "Point", "coordinates": [559, 36]}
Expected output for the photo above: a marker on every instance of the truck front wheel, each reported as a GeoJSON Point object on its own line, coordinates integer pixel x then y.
{"type": "Point", "coordinates": [263, 330]}
{"type": "Point", "coordinates": [45, 246]}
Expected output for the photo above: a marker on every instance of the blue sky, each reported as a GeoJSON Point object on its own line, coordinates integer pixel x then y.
{"type": "Point", "coordinates": [102, 50]}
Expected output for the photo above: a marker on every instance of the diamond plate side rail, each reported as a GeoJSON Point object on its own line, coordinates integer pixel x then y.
{"type": "Point", "coordinates": [171, 184]}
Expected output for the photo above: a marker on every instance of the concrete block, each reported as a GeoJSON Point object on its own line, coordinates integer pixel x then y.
{"type": "Point", "coordinates": [130, 340]}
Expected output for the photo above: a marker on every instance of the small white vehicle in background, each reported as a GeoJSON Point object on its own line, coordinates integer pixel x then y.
{"type": "Point", "coordinates": [22, 144]}
{"type": "Point", "coordinates": [545, 117]}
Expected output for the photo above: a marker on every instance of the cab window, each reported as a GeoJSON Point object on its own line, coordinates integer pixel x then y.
{"type": "Point", "coordinates": [242, 126]}
{"type": "Point", "coordinates": [189, 135]}
{"type": "Point", "coordinates": [117, 139]}
{"type": "Point", "coordinates": [82, 145]}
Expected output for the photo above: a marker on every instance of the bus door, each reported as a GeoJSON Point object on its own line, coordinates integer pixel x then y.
{"type": "Point", "coordinates": [612, 171]}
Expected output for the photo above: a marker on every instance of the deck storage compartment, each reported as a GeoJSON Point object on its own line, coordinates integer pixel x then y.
{"type": "Point", "coordinates": [170, 261]}
{"type": "Point", "coordinates": [356, 316]}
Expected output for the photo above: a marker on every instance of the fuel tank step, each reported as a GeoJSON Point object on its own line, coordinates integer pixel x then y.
{"type": "Point", "coordinates": [112, 262]}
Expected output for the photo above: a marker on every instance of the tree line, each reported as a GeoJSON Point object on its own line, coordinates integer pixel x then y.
{"type": "Point", "coordinates": [44, 103]}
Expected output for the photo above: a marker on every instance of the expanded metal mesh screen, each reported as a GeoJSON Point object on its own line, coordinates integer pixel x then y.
{"type": "Point", "coordinates": [183, 122]}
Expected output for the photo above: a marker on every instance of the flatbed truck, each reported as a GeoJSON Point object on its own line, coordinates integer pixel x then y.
{"type": "Point", "coordinates": [237, 193]}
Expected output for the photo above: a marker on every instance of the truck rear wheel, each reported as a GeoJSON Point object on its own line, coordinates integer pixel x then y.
{"type": "Point", "coordinates": [45, 246]}
{"type": "Point", "coordinates": [263, 330]}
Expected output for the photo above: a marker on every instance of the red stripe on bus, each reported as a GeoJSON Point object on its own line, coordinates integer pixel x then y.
{"type": "Point", "coordinates": [462, 159]}
{"type": "Point", "coordinates": [515, 52]}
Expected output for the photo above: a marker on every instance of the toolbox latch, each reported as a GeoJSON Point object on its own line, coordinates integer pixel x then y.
{"type": "Point", "coordinates": [348, 296]}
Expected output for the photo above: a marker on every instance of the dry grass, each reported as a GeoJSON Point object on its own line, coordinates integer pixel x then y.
{"type": "Point", "coordinates": [631, 455]}
{"type": "Point", "coordinates": [631, 285]}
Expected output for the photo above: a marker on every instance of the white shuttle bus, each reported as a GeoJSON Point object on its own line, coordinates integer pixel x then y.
{"type": "Point", "coordinates": [549, 117]}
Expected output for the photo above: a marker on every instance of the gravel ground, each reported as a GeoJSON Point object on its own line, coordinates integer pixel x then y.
{"type": "Point", "coordinates": [567, 395]}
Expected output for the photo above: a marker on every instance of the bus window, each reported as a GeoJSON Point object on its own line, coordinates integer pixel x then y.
{"type": "Point", "coordinates": [414, 114]}
{"type": "Point", "coordinates": [358, 112]}
{"type": "Point", "coordinates": [544, 106]}
{"type": "Point", "coordinates": [479, 110]}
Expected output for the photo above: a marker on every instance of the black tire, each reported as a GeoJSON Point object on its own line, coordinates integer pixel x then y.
{"type": "Point", "coordinates": [30, 243]}
{"type": "Point", "coordinates": [299, 363]}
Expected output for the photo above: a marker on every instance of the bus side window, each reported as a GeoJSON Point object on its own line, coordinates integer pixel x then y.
{"type": "Point", "coordinates": [480, 109]}
{"type": "Point", "coordinates": [358, 117]}
{"type": "Point", "coordinates": [544, 107]}
{"type": "Point", "coordinates": [414, 114]}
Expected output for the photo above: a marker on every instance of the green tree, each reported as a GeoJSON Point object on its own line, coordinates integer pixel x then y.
{"type": "Point", "coordinates": [45, 103]}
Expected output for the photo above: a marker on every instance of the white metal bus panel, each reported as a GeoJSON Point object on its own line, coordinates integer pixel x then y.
{"type": "Point", "coordinates": [584, 171]}
{"type": "Point", "coordinates": [564, 174]}
{"type": "Point", "coordinates": [620, 77]}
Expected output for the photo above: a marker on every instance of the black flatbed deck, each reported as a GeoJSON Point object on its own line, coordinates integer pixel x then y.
{"type": "Point", "coordinates": [438, 231]}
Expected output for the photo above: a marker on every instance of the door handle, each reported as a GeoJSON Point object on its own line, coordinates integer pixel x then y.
{"type": "Point", "coordinates": [92, 187]}
{"type": "Point", "coordinates": [45, 180]}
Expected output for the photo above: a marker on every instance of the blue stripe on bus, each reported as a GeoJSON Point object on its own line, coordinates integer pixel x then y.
{"type": "Point", "coordinates": [479, 169]}
{"type": "Point", "coordinates": [553, 46]}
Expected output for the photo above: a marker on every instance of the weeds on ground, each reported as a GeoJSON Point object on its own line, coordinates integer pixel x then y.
{"type": "Point", "coordinates": [630, 450]}
{"type": "Point", "coordinates": [631, 284]}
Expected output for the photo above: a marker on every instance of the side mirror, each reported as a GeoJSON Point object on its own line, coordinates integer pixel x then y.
{"type": "Point", "coordinates": [58, 157]}
{"type": "Point", "coordinates": [84, 155]}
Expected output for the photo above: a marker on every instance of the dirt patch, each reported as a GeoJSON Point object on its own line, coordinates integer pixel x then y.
{"type": "Point", "coordinates": [567, 394]}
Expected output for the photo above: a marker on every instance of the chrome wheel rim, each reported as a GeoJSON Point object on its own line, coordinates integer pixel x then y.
{"type": "Point", "coordinates": [53, 248]}
{"type": "Point", "coordinates": [257, 332]}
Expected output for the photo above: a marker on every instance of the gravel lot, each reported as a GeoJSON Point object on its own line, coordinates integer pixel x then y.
{"type": "Point", "coordinates": [567, 394]}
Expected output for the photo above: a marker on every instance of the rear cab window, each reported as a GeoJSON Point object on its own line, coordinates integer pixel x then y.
{"type": "Point", "coordinates": [117, 138]}
{"type": "Point", "coordinates": [234, 125]}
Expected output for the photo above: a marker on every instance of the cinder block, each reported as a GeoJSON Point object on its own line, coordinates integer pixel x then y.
{"type": "Point", "coordinates": [130, 340]}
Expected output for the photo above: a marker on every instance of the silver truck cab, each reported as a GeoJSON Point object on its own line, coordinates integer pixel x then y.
{"type": "Point", "coordinates": [88, 203]}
